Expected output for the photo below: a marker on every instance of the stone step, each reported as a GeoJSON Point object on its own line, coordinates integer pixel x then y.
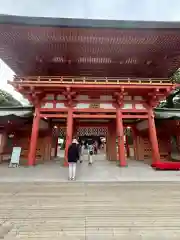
{"type": "Point", "coordinates": [98, 211]}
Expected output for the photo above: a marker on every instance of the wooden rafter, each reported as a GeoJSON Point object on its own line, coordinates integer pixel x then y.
{"type": "Point", "coordinates": [96, 51]}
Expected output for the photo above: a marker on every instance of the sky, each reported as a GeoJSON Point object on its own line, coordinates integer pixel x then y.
{"type": "Point", "coordinates": [147, 10]}
{"type": "Point", "coordinates": [7, 74]}
{"type": "Point", "coordinates": [161, 10]}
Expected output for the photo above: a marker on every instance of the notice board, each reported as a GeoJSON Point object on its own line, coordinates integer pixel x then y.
{"type": "Point", "coordinates": [15, 157]}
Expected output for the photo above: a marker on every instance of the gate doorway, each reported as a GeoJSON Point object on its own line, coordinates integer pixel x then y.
{"type": "Point", "coordinates": [129, 143]}
{"type": "Point", "coordinates": [96, 136]}
{"type": "Point", "coordinates": [86, 135]}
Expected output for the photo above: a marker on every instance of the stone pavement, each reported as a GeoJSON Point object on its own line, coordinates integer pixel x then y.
{"type": "Point", "coordinates": [90, 211]}
{"type": "Point", "coordinates": [101, 171]}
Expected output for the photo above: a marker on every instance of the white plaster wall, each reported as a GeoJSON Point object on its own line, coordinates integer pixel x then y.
{"type": "Point", "coordinates": [139, 106]}
{"type": "Point", "coordinates": [106, 106]}
{"type": "Point", "coordinates": [48, 105]}
{"type": "Point", "coordinates": [60, 97]}
{"type": "Point", "coordinates": [127, 106]}
{"type": "Point", "coordinates": [49, 97]}
{"type": "Point", "coordinates": [138, 98]}
{"type": "Point", "coordinates": [60, 105]}
{"type": "Point", "coordinates": [82, 97]}
{"type": "Point", "coordinates": [106, 97]}
{"type": "Point", "coordinates": [82, 105]}
{"type": "Point", "coordinates": [128, 98]}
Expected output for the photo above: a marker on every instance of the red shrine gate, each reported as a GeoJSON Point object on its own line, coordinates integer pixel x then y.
{"type": "Point", "coordinates": [115, 106]}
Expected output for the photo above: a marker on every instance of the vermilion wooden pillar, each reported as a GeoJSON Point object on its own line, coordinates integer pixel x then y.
{"type": "Point", "coordinates": [120, 135]}
{"type": "Point", "coordinates": [34, 137]}
{"type": "Point", "coordinates": [69, 132]}
{"type": "Point", "coordinates": [153, 138]}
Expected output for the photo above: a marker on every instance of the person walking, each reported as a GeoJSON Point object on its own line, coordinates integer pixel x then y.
{"type": "Point", "coordinates": [96, 148]}
{"type": "Point", "coordinates": [82, 152]}
{"type": "Point", "coordinates": [73, 157]}
{"type": "Point", "coordinates": [90, 153]}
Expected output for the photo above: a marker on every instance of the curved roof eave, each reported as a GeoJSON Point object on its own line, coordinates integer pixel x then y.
{"type": "Point", "coordinates": [167, 113]}
{"type": "Point", "coordinates": [86, 23]}
{"type": "Point", "coordinates": [17, 111]}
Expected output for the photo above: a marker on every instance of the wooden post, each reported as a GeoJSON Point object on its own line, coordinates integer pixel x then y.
{"type": "Point", "coordinates": [34, 137]}
{"type": "Point", "coordinates": [153, 137]}
{"type": "Point", "coordinates": [69, 132]}
{"type": "Point", "coordinates": [120, 135]}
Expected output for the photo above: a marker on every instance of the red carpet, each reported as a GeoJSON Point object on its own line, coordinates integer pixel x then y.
{"type": "Point", "coordinates": [166, 166]}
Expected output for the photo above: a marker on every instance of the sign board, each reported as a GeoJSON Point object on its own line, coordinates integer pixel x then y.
{"type": "Point", "coordinates": [15, 157]}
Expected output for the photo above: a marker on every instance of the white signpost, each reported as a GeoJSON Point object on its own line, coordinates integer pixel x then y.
{"type": "Point", "coordinates": [15, 157]}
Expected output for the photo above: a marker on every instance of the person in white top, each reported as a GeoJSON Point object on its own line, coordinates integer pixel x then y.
{"type": "Point", "coordinates": [82, 152]}
{"type": "Point", "coordinates": [90, 153]}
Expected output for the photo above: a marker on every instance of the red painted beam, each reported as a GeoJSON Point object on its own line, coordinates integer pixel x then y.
{"type": "Point", "coordinates": [94, 110]}
{"type": "Point", "coordinates": [88, 116]}
{"type": "Point", "coordinates": [94, 86]}
{"type": "Point", "coordinates": [53, 115]}
{"type": "Point", "coordinates": [91, 124]}
{"type": "Point", "coordinates": [88, 110]}
{"type": "Point", "coordinates": [134, 110]}
{"type": "Point", "coordinates": [84, 124]}
{"type": "Point", "coordinates": [135, 116]}
{"type": "Point", "coordinates": [96, 100]}
{"type": "Point", "coordinates": [53, 109]}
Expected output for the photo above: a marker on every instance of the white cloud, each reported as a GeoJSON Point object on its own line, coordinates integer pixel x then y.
{"type": "Point", "coordinates": [162, 10]}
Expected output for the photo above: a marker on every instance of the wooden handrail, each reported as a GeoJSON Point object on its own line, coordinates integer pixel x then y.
{"type": "Point", "coordinates": [91, 80]}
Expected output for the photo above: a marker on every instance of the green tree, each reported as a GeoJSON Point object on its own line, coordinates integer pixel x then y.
{"type": "Point", "coordinates": [173, 100]}
{"type": "Point", "coordinates": [176, 76]}
{"type": "Point", "coordinates": [7, 99]}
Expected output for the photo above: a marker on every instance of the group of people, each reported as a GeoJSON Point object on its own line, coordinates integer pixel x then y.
{"type": "Point", "coordinates": [76, 153]}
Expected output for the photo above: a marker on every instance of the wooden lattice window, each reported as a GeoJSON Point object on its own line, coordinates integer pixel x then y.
{"type": "Point", "coordinates": [59, 132]}
{"type": "Point", "coordinates": [92, 131]}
